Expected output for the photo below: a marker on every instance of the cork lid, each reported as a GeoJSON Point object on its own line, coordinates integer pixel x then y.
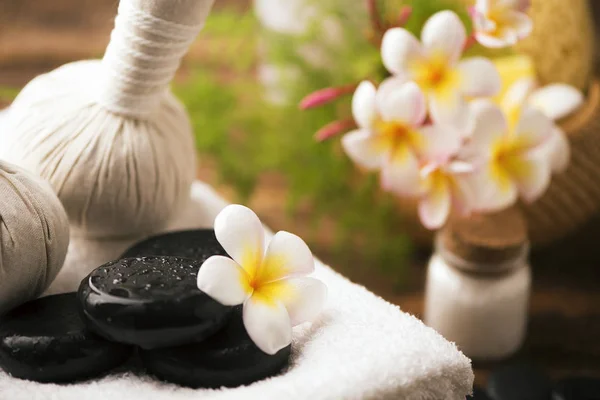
{"type": "Point", "coordinates": [488, 240]}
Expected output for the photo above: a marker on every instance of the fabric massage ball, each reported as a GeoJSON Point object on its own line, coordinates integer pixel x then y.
{"type": "Point", "coordinates": [34, 236]}
{"type": "Point", "coordinates": [109, 136]}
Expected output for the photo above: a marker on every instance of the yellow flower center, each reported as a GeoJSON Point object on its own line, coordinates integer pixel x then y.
{"type": "Point", "coordinates": [262, 277]}
{"type": "Point", "coordinates": [436, 181]}
{"type": "Point", "coordinates": [397, 138]}
{"type": "Point", "coordinates": [513, 114]}
{"type": "Point", "coordinates": [507, 160]}
{"type": "Point", "coordinates": [500, 15]}
{"type": "Point", "coordinates": [434, 74]}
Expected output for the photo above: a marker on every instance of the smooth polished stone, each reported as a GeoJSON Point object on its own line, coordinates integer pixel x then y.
{"type": "Point", "coordinates": [151, 302]}
{"type": "Point", "coordinates": [45, 340]}
{"type": "Point", "coordinates": [197, 244]}
{"type": "Point", "coordinates": [519, 382]}
{"type": "Point", "coordinates": [229, 358]}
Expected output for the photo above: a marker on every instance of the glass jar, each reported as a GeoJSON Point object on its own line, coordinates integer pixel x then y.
{"type": "Point", "coordinates": [478, 285]}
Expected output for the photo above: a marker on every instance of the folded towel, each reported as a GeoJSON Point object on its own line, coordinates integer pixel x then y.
{"type": "Point", "coordinates": [361, 347]}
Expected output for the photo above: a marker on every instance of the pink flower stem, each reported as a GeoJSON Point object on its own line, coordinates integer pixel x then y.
{"type": "Point", "coordinates": [404, 15]}
{"type": "Point", "coordinates": [472, 12]}
{"type": "Point", "coordinates": [324, 96]}
{"type": "Point", "coordinates": [470, 42]}
{"type": "Point", "coordinates": [374, 15]}
{"type": "Point", "coordinates": [334, 128]}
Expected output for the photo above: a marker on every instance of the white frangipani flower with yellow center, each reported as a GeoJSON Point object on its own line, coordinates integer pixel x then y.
{"type": "Point", "coordinates": [501, 23]}
{"type": "Point", "coordinates": [391, 136]}
{"type": "Point", "coordinates": [271, 283]}
{"type": "Point", "coordinates": [556, 101]}
{"type": "Point", "coordinates": [441, 184]}
{"type": "Point", "coordinates": [445, 189]}
{"type": "Point", "coordinates": [390, 133]}
{"type": "Point", "coordinates": [512, 160]}
{"type": "Point", "coordinates": [435, 65]}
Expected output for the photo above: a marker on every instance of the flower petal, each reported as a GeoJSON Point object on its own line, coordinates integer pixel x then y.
{"type": "Point", "coordinates": [516, 95]}
{"type": "Point", "coordinates": [224, 280]}
{"type": "Point", "coordinates": [451, 109]}
{"type": "Point", "coordinates": [557, 100]}
{"type": "Point", "coordinates": [242, 235]}
{"type": "Point", "coordinates": [533, 128]}
{"type": "Point", "coordinates": [441, 142]}
{"type": "Point", "coordinates": [399, 49]}
{"type": "Point", "coordinates": [481, 23]}
{"type": "Point", "coordinates": [483, 6]}
{"type": "Point", "coordinates": [267, 324]}
{"type": "Point", "coordinates": [404, 103]}
{"type": "Point", "coordinates": [519, 22]}
{"type": "Point", "coordinates": [362, 148]}
{"type": "Point", "coordinates": [533, 176]}
{"type": "Point", "coordinates": [501, 38]}
{"type": "Point", "coordinates": [444, 34]}
{"type": "Point", "coordinates": [306, 299]}
{"type": "Point", "coordinates": [400, 173]}
{"type": "Point", "coordinates": [560, 150]}
{"type": "Point", "coordinates": [287, 255]}
{"type": "Point", "coordinates": [363, 104]}
{"type": "Point", "coordinates": [492, 190]}
{"type": "Point", "coordinates": [490, 125]}
{"type": "Point", "coordinates": [390, 85]}
{"type": "Point", "coordinates": [434, 208]}
{"type": "Point", "coordinates": [479, 77]}
{"type": "Point", "coordinates": [460, 191]}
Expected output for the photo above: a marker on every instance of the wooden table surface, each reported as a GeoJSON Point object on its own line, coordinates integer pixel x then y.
{"type": "Point", "coordinates": [564, 326]}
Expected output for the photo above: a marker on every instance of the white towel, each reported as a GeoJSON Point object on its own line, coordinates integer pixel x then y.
{"type": "Point", "coordinates": [361, 347]}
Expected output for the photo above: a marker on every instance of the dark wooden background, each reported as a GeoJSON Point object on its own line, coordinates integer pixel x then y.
{"type": "Point", "coordinates": [564, 329]}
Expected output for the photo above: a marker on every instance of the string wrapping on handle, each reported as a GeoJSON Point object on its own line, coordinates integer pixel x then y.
{"type": "Point", "coordinates": [141, 59]}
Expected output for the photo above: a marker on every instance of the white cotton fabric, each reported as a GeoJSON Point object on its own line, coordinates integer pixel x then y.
{"type": "Point", "coordinates": [109, 136]}
{"type": "Point", "coordinates": [34, 236]}
{"type": "Point", "coordinates": [360, 347]}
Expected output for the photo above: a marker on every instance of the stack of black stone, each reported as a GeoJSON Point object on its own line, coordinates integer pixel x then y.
{"type": "Point", "coordinates": [522, 381]}
{"type": "Point", "coordinates": [144, 307]}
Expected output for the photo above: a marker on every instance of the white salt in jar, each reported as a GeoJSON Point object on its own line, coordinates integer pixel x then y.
{"type": "Point", "coordinates": [478, 285]}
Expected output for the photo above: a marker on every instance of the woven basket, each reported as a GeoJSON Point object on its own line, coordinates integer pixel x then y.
{"type": "Point", "coordinates": [573, 196]}
{"type": "Point", "coordinates": [562, 30]}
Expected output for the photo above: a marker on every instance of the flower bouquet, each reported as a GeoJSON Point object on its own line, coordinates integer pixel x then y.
{"type": "Point", "coordinates": [456, 134]}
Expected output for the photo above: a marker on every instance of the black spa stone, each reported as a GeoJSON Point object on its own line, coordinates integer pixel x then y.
{"type": "Point", "coordinates": [45, 340]}
{"type": "Point", "coordinates": [151, 302]}
{"type": "Point", "coordinates": [519, 382]}
{"type": "Point", "coordinates": [229, 358]}
{"type": "Point", "coordinates": [197, 244]}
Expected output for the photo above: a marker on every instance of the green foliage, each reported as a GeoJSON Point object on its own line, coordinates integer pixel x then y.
{"type": "Point", "coordinates": [248, 136]}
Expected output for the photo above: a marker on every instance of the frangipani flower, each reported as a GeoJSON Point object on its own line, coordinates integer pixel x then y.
{"type": "Point", "coordinates": [555, 101]}
{"type": "Point", "coordinates": [513, 160]}
{"type": "Point", "coordinates": [445, 187]}
{"type": "Point", "coordinates": [270, 284]}
{"type": "Point", "coordinates": [442, 182]}
{"type": "Point", "coordinates": [391, 134]}
{"type": "Point", "coordinates": [434, 65]}
{"type": "Point", "coordinates": [501, 23]}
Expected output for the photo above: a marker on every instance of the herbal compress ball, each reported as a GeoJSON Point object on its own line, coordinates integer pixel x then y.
{"type": "Point", "coordinates": [34, 236]}
{"type": "Point", "coordinates": [108, 135]}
